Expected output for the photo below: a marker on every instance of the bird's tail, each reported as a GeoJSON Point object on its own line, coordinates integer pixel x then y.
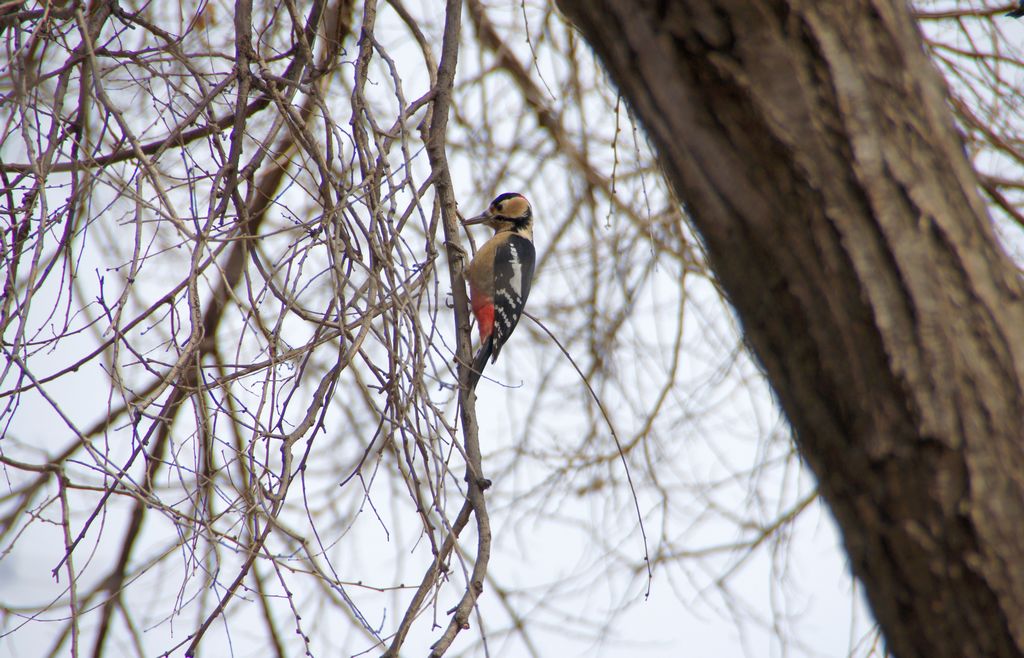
{"type": "Point", "coordinates": [480, 362]}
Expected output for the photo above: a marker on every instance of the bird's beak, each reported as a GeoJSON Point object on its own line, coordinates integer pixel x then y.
{"type": "Point", "coordinates": [479, 219]}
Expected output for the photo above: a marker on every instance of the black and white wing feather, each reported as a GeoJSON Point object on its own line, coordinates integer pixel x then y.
{"type": "Point", "coordinates": [513, 275]}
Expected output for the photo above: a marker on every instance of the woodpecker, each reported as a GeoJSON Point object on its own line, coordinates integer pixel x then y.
{"type": "Point", "coordinates": [500, 275]}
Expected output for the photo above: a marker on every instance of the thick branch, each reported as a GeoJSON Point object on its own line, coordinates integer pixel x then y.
{"type": "Point", "coordinates": [813, 145]}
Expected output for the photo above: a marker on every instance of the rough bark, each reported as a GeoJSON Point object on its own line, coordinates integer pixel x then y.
{"type": "Point", "coordinates": [814, 149]}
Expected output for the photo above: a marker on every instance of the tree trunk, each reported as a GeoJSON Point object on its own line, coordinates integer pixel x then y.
{"type": "Point", "coordinates": [813, 147]}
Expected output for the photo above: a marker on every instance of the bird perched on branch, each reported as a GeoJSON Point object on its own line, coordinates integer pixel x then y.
{"type": "Point", "coordinates": [500, 275]}
{"type": "Point", "coordinates": [1018, 12]}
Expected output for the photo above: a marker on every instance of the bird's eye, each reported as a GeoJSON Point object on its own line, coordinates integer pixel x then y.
{"type": "Point", "coordinates": [497, 207]}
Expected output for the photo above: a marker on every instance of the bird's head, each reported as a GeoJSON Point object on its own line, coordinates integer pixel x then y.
{"type": "Point", "coordinates": [508, 212]}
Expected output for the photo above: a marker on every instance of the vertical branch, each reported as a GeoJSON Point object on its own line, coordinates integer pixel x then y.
{"type": "Point", "coordinates": [445, 193]}
{"type": "Point", "coordinates": [65, 522]}
{"type": "Point", "coordinates": [442, 181]}
{"type": "Point", "coordinates": [456, 258]}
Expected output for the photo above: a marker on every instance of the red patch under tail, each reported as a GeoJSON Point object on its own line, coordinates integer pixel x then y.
{"type": "Point", "coordinates": [483, 309]}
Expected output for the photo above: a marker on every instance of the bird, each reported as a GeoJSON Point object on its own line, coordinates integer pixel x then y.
{"type": "Point", "coordinates": [500, 275]}
{"type": "Point", "coordinates": [1018, 12]}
